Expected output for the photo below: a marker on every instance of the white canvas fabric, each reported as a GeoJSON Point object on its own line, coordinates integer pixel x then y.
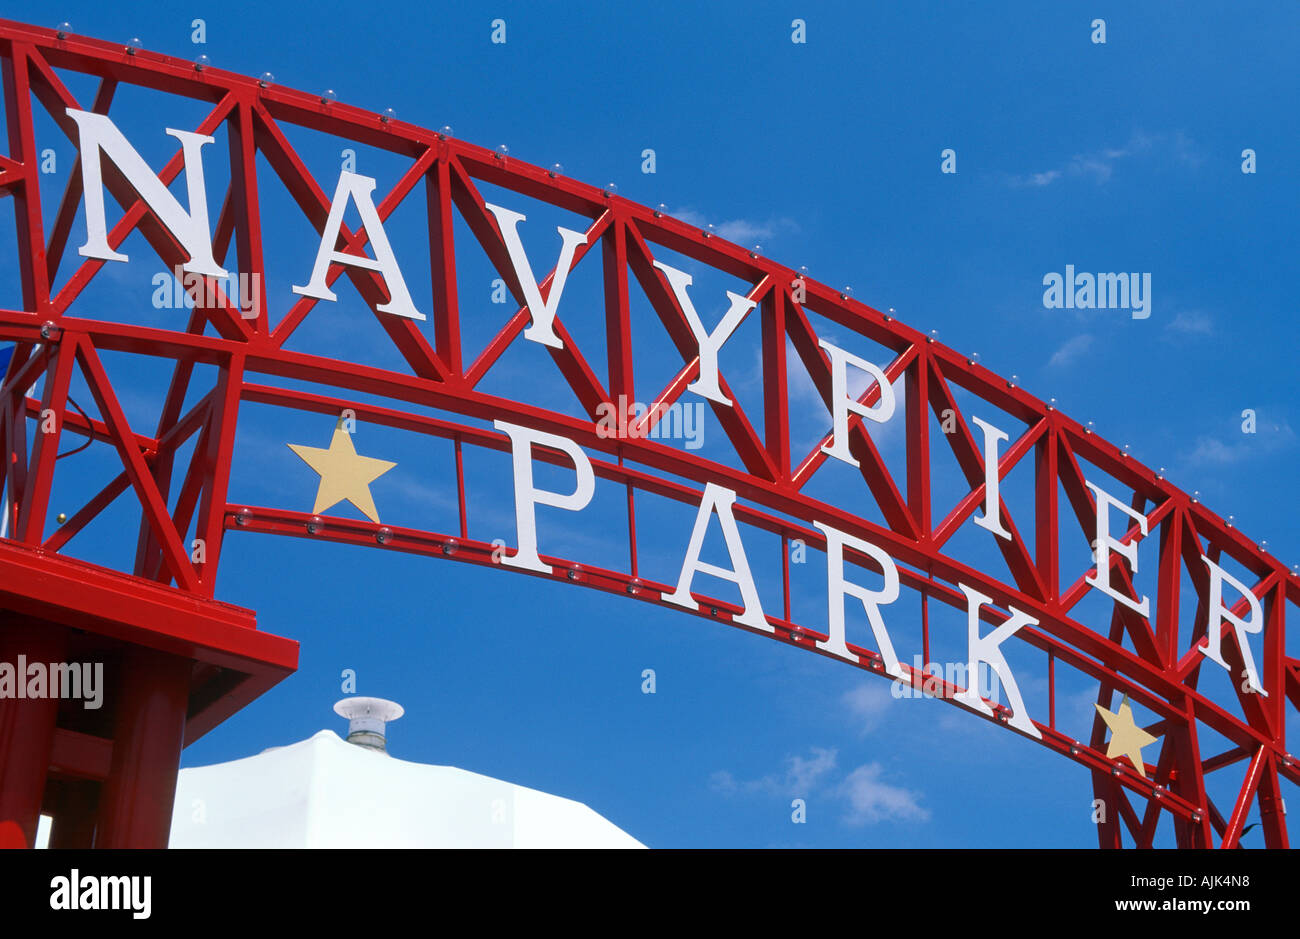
{"type": "Point", "coordinates": [326, 793]}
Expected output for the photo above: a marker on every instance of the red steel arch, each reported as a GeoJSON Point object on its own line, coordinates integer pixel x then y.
{"type": "Point", "coordinates": [1160, 672]}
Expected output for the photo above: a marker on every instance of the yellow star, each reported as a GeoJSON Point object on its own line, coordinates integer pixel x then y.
{"type": "Point", "coordinates": [1126, 737]}
{"type": "Point", "coordinates": [343, 474]}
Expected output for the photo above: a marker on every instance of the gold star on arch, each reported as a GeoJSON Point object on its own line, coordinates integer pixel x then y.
{"type": "Point", "coordinates": [1126, 737]}
{"type": "Point", "coordinates": [344, 474]}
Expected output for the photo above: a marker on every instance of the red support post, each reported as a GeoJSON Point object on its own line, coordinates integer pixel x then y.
{"type": "Point", "coordinates": [618, 326]}
{"type": "Point", "coordinates": [73, 814]}
{"type": "Point", "coordinates": [27, 724]}
{"type": "Point", "coordinates": [36, 498]}
{"type": "Point", "coordinates": [442, 261]}
{"type": "Point", "coordinates": [776, 400]}
{"type": "Point", "coordinates": [917, 385]}
{"type": "Point", "coordinates": [32, 269]}
{"type": "Point", "coordinates": [135, 808]}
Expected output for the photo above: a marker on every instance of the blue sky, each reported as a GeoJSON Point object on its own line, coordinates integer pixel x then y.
{"type": "Point", "coordinates": [1117, 157]}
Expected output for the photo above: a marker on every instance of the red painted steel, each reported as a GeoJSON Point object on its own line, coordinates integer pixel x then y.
{"type": "Point", "coordinates": [135, 808]}
{"type": "Point", "coordinates": [1160, 672]}
{"type": "Point", "coordinates": [27, 727]}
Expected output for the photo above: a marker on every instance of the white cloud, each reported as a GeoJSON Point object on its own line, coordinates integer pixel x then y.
{"type": "Point", "coordinates": [722, 781]}
{"type": "Point", "coordinates": [1099, 165]}
{"type": "Point", "coordinates": [1191, 322]}
{"type": "Point", "coordinates": [867, 799]}
{"type": "Point", "coordinates": [867, 703]}
{"type": "Point", "coordinates": [1269, 437]}
{"type": "Point", "coordinates": [742, 231]}
{"type": "Point", "coordinates": [802, 775]}
{"type": "Point", "coordinates": [1071, 350]}
{"type": "Point", "coordinates": [872, 801]}
{"type": "Point", "coordinates": [1213, 450]}
{"type": "Point", "coordinates": [799, 778]}
{"type": "Point", "coordinates": [1185, 150]}
{"type": "Point", "coordinates": [1042, 179]}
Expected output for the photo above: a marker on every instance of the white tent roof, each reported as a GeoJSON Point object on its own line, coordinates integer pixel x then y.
{"type": "Point", "coordinates": [326, 793]}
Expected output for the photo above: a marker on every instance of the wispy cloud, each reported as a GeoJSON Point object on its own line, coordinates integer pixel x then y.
{"type": "Point", "coordinates": [871, 800]}
{"type": "Point", "coordinates": [800, 777]}
{"type": "Point", "coordinates": [742, 231]}
{"type": "Point", "coordinates": [866, 798]}
{"type": "Point", "coordinates": [1070, 350]}
{"type": "Point", "coordinates": [1186, 151]}
{"type": "Point", "coordinates": [1045, 178]}
{"type": "Point", "coordinates": [1270, 436]}
{"type": "Point", "coordinates": [867, 704]}
{"type": "Point", "coordinates": [1099, 166]}
{"type": "Point", "coordinates": [1190, 323]}
{"type": "Point", "coordinates": [804, 774]}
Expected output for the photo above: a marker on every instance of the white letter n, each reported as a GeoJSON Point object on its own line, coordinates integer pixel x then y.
{"type": "Point", "coordinates": [97, 134]}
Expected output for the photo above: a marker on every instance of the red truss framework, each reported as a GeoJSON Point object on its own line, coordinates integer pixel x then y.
{"type": "Point", "coordinates": [1161, 674]}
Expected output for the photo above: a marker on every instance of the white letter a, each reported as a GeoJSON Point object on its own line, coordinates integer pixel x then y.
{"type": "Point", "coordinates": [359, 188]}
{"type": "Point", "coordinates": [720, 500]}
